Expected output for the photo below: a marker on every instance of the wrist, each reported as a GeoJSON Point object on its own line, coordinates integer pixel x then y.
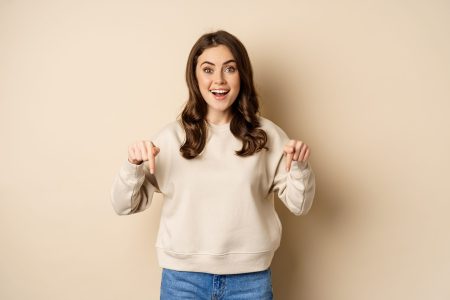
{"type": "Point", "coordinates": [135, 162]}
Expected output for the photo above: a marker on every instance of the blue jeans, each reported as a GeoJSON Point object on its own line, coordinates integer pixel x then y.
{"type": "Point", "coordinates": [181, 285]}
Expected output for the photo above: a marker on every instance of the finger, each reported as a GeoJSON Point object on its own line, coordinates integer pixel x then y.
{"type": "Point", "coordinates": [136, 153]}
{"type": "Point", "coordinates": [151, 156]}
{"type": "Point", "coordinates": [306, 155]}
{"type": "Point", "coordinates": [155, 151]}
{"type": "Point", "coordinates": [298, 147]}
{"type": "Point", "coordinates": [142, 151]}
{"type": "Point", "coordinates": [131, 156]}
{"type": "Point", "coordinates": [302, 152]}
{"type": "Point", "coordinates": [289, 150]}
{"type": "Point", "coordinates": [288, 161]}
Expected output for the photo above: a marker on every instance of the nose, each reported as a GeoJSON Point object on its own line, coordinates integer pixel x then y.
{"type": "Point", "coordinates": [219, 78]}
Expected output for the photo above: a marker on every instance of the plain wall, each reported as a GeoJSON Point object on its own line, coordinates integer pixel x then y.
{"type": "Point", "coordinates": [364, 83]}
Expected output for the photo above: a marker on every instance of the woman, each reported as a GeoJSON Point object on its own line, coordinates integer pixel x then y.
{"type": "Point", "coordinates": [217, 167]}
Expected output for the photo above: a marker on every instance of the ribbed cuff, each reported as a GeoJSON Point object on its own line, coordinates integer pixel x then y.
{"type": "Point", "coordinates": [130, 169]}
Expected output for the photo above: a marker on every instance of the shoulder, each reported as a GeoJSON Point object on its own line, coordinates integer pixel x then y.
{"type": "Point", "coordinates": [274, 132]}
{"type": "Point", "coordinates": [172, 131]}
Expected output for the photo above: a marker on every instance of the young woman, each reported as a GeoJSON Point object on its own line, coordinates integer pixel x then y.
{"type": "Point", "coordinates": [217, 168]}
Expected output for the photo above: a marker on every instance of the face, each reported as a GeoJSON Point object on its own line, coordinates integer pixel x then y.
{"type": "Point", "coordinates": [218, 81]}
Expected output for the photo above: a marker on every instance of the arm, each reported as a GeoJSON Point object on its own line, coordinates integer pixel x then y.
{"type": "Point", "coordinates": [295, 188]}
{"type": "Point", "coordinates": [133, 187]}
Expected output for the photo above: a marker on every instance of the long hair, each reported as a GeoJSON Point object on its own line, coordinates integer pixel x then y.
{"type": "Point", "coordinates": [244, 123]}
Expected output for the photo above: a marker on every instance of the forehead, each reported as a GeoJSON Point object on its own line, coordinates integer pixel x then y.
{"type": "Point", "coordinates": [217, 54]}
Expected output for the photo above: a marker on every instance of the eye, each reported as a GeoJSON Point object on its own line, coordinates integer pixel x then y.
{"type": "Point", "coordinates": [207, 70]}
{"type": "Point", "coordinates": [230, 69]}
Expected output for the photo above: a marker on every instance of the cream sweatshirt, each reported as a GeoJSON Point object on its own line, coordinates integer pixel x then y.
{"type": "Point", "coordinates": [218, 212]}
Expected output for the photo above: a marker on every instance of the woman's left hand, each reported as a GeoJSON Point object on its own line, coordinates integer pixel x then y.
{"type": "Point", "coordinates": [295, 150]}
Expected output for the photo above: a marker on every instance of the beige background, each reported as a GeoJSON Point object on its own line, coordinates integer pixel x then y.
{"type": "Point", "coordinates": [364, 83]}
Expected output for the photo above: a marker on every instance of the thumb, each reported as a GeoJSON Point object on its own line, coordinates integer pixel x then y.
{"type": "Point", "coordinates": [155, 150]}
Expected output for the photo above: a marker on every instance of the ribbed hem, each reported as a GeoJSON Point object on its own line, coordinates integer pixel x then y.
{"type": "Point", "coordinates": [233, 263]}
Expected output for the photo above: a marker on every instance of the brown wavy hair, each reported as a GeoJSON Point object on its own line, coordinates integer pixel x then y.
{"type": "Point", "coordinates": [244, 123]}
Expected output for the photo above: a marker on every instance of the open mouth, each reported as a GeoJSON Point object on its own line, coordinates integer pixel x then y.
{"type": "Point", "coordinates": [219, 92]}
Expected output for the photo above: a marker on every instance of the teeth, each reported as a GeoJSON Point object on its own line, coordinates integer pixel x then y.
{"type": "Point", "coordinates": [219, 91]}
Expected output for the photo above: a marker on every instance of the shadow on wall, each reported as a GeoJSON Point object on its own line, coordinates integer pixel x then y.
{"type": "Point", "coordinates": [299, 240]}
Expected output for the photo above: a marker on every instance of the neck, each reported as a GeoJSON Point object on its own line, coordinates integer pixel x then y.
{"type": "Point", "coordinates": [218, 119]}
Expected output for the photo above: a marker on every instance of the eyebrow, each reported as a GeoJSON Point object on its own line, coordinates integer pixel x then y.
{"type": "Point", "coordinates": [210, 63]}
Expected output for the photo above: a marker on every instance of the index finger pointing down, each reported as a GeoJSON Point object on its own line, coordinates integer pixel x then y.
{"type": "Point", "coordinates": [151, 156]}
{"type": "Point", "coordinates": [289, 150]}
{"type": "Point", "coordinates": [289, 157]}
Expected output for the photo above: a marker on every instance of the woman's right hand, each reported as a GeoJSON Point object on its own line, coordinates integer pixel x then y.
{"type": "Point", "coordinates": [143, 151]}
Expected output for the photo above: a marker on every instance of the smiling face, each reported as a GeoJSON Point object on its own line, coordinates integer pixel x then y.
{"type": "Point", "coordinates": [218, 81]}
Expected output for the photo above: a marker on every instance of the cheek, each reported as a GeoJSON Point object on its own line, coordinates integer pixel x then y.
{"type": "Point", "coordinates": [237, 83]}
{"type": "Point", "coordinates": [203, 82]}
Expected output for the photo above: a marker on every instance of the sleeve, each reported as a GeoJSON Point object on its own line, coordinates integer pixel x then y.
{"type": "Point", "coordinates": [296, 187]}
{"type": "Point", "coordinates": [132, 189]}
